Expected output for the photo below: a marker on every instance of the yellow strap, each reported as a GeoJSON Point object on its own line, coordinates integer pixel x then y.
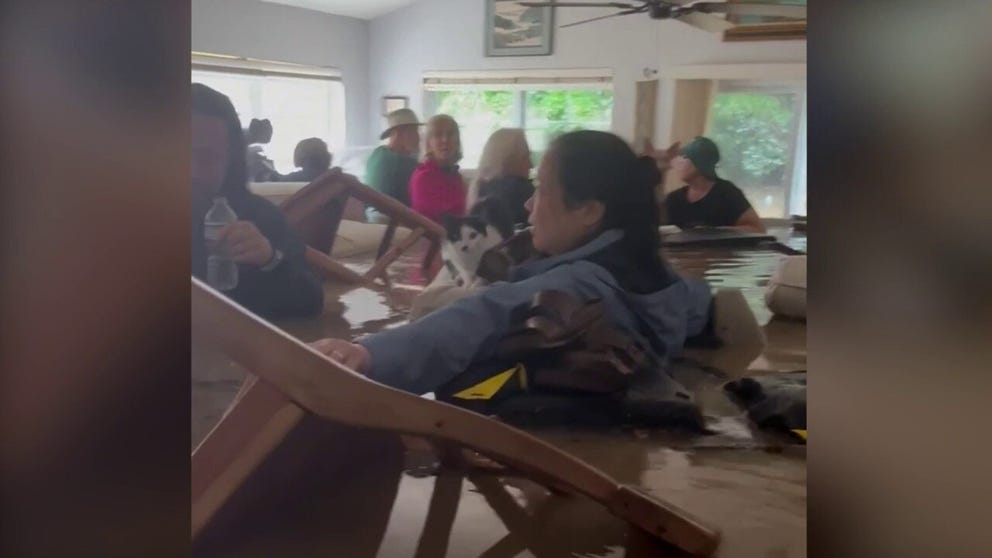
{"type": "Point", "coordinates": [489, 387]}
{"type": "Point", "coordinates": [800, 433]}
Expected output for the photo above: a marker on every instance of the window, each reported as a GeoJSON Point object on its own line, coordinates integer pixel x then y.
{"type": "Point", "coordinates": [552, 113]}
{"type": "Point", "coordinates": [760, 128]}
{"type": "Point", "coordinates": [479, 114]}
{"type": "Point", "coordinates": [298, 105]}
{"type": "Point", "coordinates": [543, 111]}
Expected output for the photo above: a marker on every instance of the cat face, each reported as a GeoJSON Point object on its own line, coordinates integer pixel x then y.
{"type": "Point", "coordinates": [468, 236]}
{"type": "Point", "coordinates": [467, 239]}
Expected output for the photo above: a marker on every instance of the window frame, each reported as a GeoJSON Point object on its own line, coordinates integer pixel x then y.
{"type": "Point", "coordinates": [680, 121]}
{"type": "Point", "coordinates": [797, 129]}
{"type": "Point", "coordinates": [222, 64]}
{"type": "Point", "coordinates": [520, 82]}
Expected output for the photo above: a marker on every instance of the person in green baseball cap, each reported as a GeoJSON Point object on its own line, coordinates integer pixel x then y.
{"type": "Point", "coordinates": [707, 200]}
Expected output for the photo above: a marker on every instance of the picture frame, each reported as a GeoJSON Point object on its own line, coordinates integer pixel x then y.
{"type": "Point", "coordinates": [394, 102]}
{"type": "Point", "coordinates": [515, 30]}
{"type": "Point", "coordinates": [778, 31]}
{"type": "Point", "coordinates": [764, 28]}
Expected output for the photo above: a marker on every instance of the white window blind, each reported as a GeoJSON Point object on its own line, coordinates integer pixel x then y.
{"type": "Point", "coordinates": [300, 101]}
{"type": "Point", "coordinates": [519, 80]}
{"type": "Point", "coordinates": [222, 63]}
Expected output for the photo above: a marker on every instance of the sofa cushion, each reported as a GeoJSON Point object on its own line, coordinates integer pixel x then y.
{"type": "Point", "coordinates": [786, 292]}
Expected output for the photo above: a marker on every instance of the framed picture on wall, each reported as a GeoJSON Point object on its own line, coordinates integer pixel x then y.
{"type": "Point", "coordinates": [391, 103]}
{"type": "Point", "coordinates": [515, 30]}
{"type": "Point", "coordinates": [754, 27]}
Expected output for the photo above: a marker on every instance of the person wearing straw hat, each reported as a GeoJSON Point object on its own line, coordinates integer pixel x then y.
{"type": "Point", "coordinates": [707, 200]}
{"type": "Point", "coordinates": [389, 167]}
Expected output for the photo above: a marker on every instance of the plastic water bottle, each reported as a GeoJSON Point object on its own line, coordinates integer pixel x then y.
{"type": "Point", "coordinates": [222, 271]}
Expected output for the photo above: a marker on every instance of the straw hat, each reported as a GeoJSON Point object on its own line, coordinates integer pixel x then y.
{"type": "Point", "coordinates": [399, 117]}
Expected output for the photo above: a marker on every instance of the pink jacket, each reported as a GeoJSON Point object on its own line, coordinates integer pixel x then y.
{"type": "Point", "coordinates": [435, 190]}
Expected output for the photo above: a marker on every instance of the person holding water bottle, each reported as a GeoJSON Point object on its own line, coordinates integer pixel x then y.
{"type": "Point", "coordinates": [240, 242]}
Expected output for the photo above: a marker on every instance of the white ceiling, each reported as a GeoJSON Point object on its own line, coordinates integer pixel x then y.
{"type": "Point", "coordinates": [364, 9]}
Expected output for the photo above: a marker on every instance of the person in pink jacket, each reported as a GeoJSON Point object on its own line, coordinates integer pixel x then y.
{"type": "Point", "coordinates": [436, 186]}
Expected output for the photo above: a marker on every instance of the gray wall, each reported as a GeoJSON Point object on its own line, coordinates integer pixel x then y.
{"type": "Point", "coordinates": [448, 35]}
{"type": "Point", "coordinates": [273, 32]}
{"type": "Point", "coordinates": [389, 55]}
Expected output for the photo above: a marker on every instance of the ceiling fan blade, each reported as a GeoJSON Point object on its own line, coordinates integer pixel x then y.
{"type": "Point", "coordinates": [706, 22]}
{"type": "Point", "coordinates": [578, 5]}
{"type": "Point", "coordinates": [625, 12]}
{"type": "Point", "coordinates": [748, 8]}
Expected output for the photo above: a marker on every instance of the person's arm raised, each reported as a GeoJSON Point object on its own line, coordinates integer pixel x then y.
{"type": "Point", "coordinates": [662, 156]}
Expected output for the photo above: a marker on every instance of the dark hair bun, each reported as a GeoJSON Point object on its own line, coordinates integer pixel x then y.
{"type": "Point", "coordinates": [646, 172]}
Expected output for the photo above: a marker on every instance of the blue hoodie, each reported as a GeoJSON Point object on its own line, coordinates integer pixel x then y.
{"type": "Point", "coordinates": [423, 355]}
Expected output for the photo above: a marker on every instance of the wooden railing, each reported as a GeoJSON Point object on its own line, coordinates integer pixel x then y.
{"type": "Point", "coordinates": [315, 213]}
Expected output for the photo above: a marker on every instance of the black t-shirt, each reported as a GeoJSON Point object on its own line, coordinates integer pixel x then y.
{"type": "Point", "coordinates": [721, 207]}
{"type": "Point", "coordinates": [291, 289]}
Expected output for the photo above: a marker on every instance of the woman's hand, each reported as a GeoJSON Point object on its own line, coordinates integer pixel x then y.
{"type": "Point", "coordinates": [246, 244]}
{"type": "Point", "coordinates": [352, 355]}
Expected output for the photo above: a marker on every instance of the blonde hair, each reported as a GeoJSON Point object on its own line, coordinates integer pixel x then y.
{"type": "Point", "coordinates": [433, 123]}
{"type": "Point", "coordinates": [501, 148]}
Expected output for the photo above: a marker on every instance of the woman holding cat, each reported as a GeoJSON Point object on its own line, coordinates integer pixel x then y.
{"type": "Point", "coordinates": [594, 215]}
{"type": "Point", "coordinates": [436, 186]}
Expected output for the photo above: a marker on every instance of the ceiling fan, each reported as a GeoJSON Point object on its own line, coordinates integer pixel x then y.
{"type": "Point", "coordinates": [698, 14]}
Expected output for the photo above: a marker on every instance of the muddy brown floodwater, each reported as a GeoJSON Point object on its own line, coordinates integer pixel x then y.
{"type": "Point", "coordinates": [335, 491]}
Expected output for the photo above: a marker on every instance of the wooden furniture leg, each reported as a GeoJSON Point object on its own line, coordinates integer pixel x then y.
{"type": "Point", "coordinates": [330, 269]}
{"type": "Point", "coordinates": [236, 447]}
{"type": "Point", "coordinates": [429, 258]}
{"type": "Point", "coordinates": [379, 267]}
{"type": "Point", "coordinates": [387, 238]}
{"type": "Point", "coordinates": [315, 213]}
{"type": "Point", "coordinates": [336, 393]}
{"type": "Point", "coordinates": [524, 530]}
{"type": "Point", "coordinates": [440, 515]}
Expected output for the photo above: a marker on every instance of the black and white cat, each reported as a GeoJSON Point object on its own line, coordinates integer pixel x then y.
{"type": "Point", "coordinates": [468, 238]}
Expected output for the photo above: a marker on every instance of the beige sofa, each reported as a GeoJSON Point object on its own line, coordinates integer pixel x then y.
{"type": "Point", "coordinates": [786, 292]}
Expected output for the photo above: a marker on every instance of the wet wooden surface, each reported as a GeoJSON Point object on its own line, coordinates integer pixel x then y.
{"type": "Point", "coordinates": [334, 492]}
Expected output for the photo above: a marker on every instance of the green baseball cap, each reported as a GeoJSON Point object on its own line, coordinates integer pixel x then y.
{"type": "Point", "coordinates": [704, 155]}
